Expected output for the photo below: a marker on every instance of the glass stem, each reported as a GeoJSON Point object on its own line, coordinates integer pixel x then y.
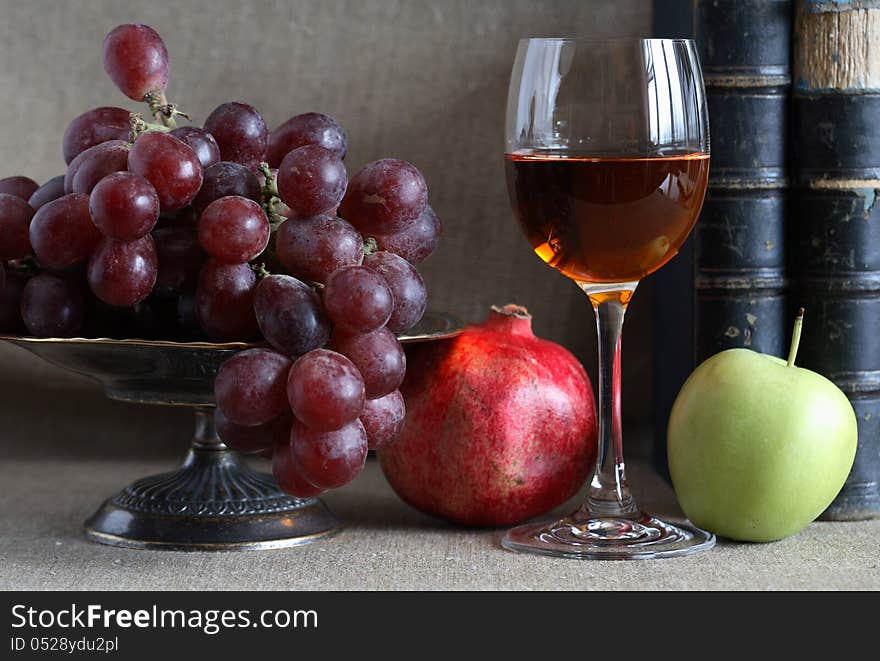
{"type": "Point", "coordinates": [609, 494]}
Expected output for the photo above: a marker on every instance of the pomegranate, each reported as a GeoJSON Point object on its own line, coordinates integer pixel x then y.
{"type": "Point", "coordinates": [500, 425]}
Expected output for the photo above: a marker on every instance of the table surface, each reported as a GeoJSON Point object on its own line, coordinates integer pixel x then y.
{"type": "Point", "coordinates": [385, 545]}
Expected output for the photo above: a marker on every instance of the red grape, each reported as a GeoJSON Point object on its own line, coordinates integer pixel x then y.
{"type": "Point", "coordinates": [252, 440]}
{"type": "Point", "coordinates": [100, 164]}
{"type": "Point", "coordinates": [311, 128]}
{"type": "Point", "coordinates": [51, 190]}
{"type": "Point", "coordinates": [94, 127]}
{"type": "Point", "coordinates": [311, 180]}
{"type": "Point", "coordinates": [22, 187]}
{"type": "Point", "coordinates": [62, 233]}
{"type": "Point", "coordinates": [124, 206]}
{"type": "Point", "coordinates": [225, 301]}
{"type": "Point", "coordinates": [15, 220]}
{"type": "Point", "coordinates": [325, 390]}
{"type": "Point", "coordinates": [136, 60]}
{"type": "Point", "coordinates": [180, 259]}
{"type": "Point", "coordinates": [201, 142]}
{"type": "Point", "coordinates": [329, 459]}
{"type": "Point", "coordinates": [290, 315]}
{"type": "Point", "coordinates": [357, 299]}
{"type": "Point", "coordinates": [312, 248]}
{"type": "Point", "coordinates": [2, 276]}
{"type": "Point", "coordinates": [106, 156]}
{"type": "Point", "coordinates": [10, 303]}
{"type": "Point", "coordinates": [234, 230]}
{"type": "Point", "coordinates": [251, 387]}
{"type": "Point", "coordinates": [52, 306]}
{"type": "Point", "coordinates": [378, 356]}
{"type": "Point", "coordinates": [417, 241]}
{"type": "Point", "coordinates": [223, 179]}
{"type": "Point", "coordinates": [406, 285]}
{"type": "Point", "coordinates": [287, 473]}
{"type": "Point", "coordinates": [383, 419]}
{"type": "Point", "coordinates": [170, 165]}
{"type": "Point", "coordinates": [385, 197]}
{"type": "Point", "coordinates": [123, 274]}
{"type": "Point", "coordinates": [241, 133]}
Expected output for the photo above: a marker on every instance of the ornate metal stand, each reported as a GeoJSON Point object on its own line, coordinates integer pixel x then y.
{"type": "Point", "coordinates": [213, 502]}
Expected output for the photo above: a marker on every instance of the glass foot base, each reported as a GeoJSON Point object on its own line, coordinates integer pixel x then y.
{"type": "Point", "coordinates": [636, 537]}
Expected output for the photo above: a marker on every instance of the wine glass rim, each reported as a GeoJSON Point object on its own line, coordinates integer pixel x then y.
{"type": "Point", "coordinates": [607, 40]}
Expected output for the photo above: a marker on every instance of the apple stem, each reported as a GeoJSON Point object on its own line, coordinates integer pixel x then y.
{"type": "Point", "coordinates": [796, 337]}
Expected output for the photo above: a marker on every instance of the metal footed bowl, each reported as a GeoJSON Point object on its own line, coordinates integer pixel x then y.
{"type": "Point", "coordinates": [214, 501]}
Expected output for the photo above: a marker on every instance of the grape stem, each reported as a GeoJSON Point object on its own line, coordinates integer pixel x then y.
{"type": "Point", "coordinates": [270, 186]}
{"type": "Point", "coordinates": [796, 337]}
{"type": "Point", "coordinates": [138, 126]}
{"type": "Point", "coordinates": [275, 218]}
{"type": "Point", "coordinates": [271, 198]}
{"type": "Point", "coordinates": [370, 246]}
{"type": "Point", "coordinates": [163, 111]}
{"type": "Point", "coordinates": [260, 270]}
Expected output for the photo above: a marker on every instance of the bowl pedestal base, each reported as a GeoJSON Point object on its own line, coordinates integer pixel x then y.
{"type": "Point", "coordinates": [213, 502]}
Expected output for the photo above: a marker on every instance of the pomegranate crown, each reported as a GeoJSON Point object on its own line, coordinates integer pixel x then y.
{"type": "Point", "coordinates": [512, 310]}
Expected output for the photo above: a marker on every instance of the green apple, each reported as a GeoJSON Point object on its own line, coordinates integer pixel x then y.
{"type": "Point", "coordinates": [758, 447]}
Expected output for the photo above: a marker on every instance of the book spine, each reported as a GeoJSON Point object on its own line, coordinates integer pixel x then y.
{"type": "Point", "coordinates": [740, 240]}
{"type": "Point", "coordinates": [673, 286]}
{"type": "Point", "coordinates": [735, 262]}
{"type": "Point", "coordinates": [835, 232]}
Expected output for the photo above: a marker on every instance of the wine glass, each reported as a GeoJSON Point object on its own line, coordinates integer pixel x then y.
{"type": "Point", "coordinates": [607, 161]}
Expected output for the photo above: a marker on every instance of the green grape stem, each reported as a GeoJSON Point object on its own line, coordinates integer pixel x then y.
{"type": "Point", "coordinates": [275, 218]}
{"type": "Point", "coordinates": [370, 246]}
{"type": "Point", "coordinates": [139, 125]}
{"type": "Point", "coordinates": [163, 111]}
{"type": "Point", "coordinates": [260, 270]}
{"type": "Point", "coordinates": [271, 198]}
{"type": "Point", "coordinates": [270, 186]}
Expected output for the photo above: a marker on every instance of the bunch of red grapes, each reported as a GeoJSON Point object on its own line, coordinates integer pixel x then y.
{"type": "Point", "coordinates": [230, 232]}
